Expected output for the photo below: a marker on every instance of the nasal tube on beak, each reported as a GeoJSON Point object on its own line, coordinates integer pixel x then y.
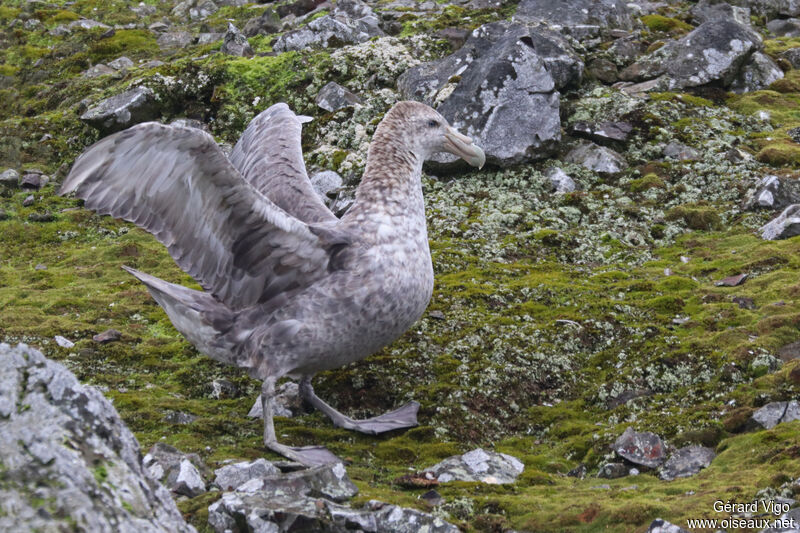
{"type": "Point", "coordinates": [460, 145]}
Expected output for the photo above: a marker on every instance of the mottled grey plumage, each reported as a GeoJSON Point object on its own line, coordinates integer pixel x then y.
{"type": "Point", "coordinates": [289, 288]}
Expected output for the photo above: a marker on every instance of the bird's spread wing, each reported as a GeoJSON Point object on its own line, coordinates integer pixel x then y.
{"type": "Point", "coordinates": [270, 157]}
{"type": "Point", "coordinates": [177, 184]}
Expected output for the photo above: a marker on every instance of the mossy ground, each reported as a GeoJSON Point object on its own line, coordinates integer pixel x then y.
{"type": "Point", "coordinates": [553, 306]}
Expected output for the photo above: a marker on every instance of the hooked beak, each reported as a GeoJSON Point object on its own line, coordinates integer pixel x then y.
{"type": "Point", "coordinates": [461, 146]}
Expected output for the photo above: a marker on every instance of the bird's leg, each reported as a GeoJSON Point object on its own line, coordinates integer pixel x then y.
{"type": "Point", "coordinates": [404, 417]}
{"type": "Point", "coordinates": [307, 455]}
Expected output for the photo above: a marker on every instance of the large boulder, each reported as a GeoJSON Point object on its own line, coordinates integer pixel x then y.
{"type": "Point", "coordinates": [579, 18]}
{"type": "Point", "coordinates": [122, 110]}
{"type": "Point", "coordinates": [69, 463]}
{"type": "Point", "coordinates": [350, 22]}
{"type": "Point", "coordinates": [771, 8]}
{"type": "Point", "coordinates": [784, 226]}
{"type": "Point", "coordinates": [759, 71]}
{"type": "Point", "coordinates": [501, 88]}
{"type": "Point", "coordinates": [773, 192]}
{"type": "Point", "coordinates": [479, 465]}
{"type": "Point", "coordinates": [706, 10]}
{"type": "Point", "coordinates": [715, 52]}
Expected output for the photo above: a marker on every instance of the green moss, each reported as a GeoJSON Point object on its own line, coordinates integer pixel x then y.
{"type": "Point", "coordinates": [661, 23]}
{"type": "Point", "coordinates": [696, 217]}
{"type": "Point", "coordinates": [649, 181]}
{"type": "Point", "coordinates": [132, 43]}
{"type": "Point", "coordinates": [685, 98]}
{"type": "Point", "coordinates": [780, 154]}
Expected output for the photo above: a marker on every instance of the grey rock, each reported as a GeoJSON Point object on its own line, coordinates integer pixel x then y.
{"type": "Point", "coordinates": [9, 178]}
{"type": "Point", "coordinates": [180, 472]}
{"type": "Point", "coordinates": [680, 152]}
{"type": "Point", "coordinates": [792, 55]}
{"type": "Point", "coordinates": [641, 448]}
{"type": "Point", "coordinates": [579, 18]}
{"type": "Point", "coordinates": [344, 200]}
{"type": "Point", "coordinates": [98, 70]}
{"type": "Point", "coordinates": [784, 226]}
{"type": "Point", "coordinates": [789, 351]}
{"type": "Point", "coordinates": [772, 8]}
{"type": "Point", "coordinates": [209, 37]}
{"type": "Point", "coordinates": [153, 63]}
{"type": "Point", "coordinates": [612, 471]}
{"type": "Point", "coordinates": [287, 402]}
{"type": "Point", "coordinates": [143, 10]}
{"type": "Point", "coordinates": [325, 183]}
{"type": "Point", "coordinates": [455, 36]}
{"type": "Point", "coordinates": [298, 8]}
{"type": "Point", "coordinates": [179, 417]}
{"type": "Point", "coordinates": [28, 201]}
{"type": "Point", "coordinates": [579, 471]}
{"type": "Point", "coordinates": [784, 27]}
{"type": "Point", "coordinates": [121, 63]}
{"type": "Point", "coordinates": [195, 9]}
{"type": "Point", "coordinates": [560, 180]}
{"type": "Point", "coordinates": [478, 465]}
{"type": "Point", "coordinates": [265, 24]}
{"type": "Point", "coordinates": [501, 89]}
{"type": "Point", "coordinates": [706, 10]}
{"type": "Point", "coordinates": [686, 462]}
{"type": "Point", "coordinates": [773, 192]}
{"type": "Point", "coordinates": [63, 342]}
{"type": "Point", "coordinates": [603, 132]}
{"type": "Point", "coordinates": [603, 69]}
{"type": "Point", "coordinates": [189, 123]}
{"type": "Point", "coordinates": [87, 24]}
{"type": "Point", "coordinates": [350, 22]}
{"type": "Point", "coordinates": [626, 49]}
{"type": "Point", "coordinates": [33, 181]}
{"type": "Point", "coordinates": [231, 477]}
{"type": "Point", "coordinates": [122, 111]}
{"type": "Point", "coordinates": [662, 526]}
{"type": "Point", "coordinates": [158, 27]}
{"type": "Point", "coordinates": [223, 388]}
{"type": "Point", "coordinates": [597, 158]}
{"type": "Point", "coordinates": [65, 447]}
{"type": "Point", "coordinates": [235, 43]}
{"type": "Point", "coordinates": [774, 413]}
{"type": "Point", "coordinates": [333, 97]}
{"type": "Point", "coordinates": [713, 53]}
{"type": "Point", "coordinates": [759, 72]}
{"type": "Point", "coordinates": [171, 41]}
{"type": "Point", "coordinates": [791, 520]}
{"type": "Point", "coordinates": [109, 335]}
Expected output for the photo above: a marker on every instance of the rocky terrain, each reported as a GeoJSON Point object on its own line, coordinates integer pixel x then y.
{"type": "Point", "coordinates": [614, 335]}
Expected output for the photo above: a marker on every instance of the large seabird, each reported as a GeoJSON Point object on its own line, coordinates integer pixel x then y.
{"type": "Point", "coordinates": [290, 290]}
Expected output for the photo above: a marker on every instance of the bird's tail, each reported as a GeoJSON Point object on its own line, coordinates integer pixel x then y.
{"type": "Point", "coordinates": [206, 322]}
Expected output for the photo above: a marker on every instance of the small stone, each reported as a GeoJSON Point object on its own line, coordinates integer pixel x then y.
{"type": "Point", "coordinates": [612, 471]}
{"type": "Point", "coordinates": [438, 315]}
{"type": "Point", "coordinates": [333, 97]}
{"type": "Point", "coordinates": [603, 131]}
{"type": "Point", "coordinates": [121, 63]}
{"type": "Point", "coordinates": [63, 342]}
{"type": "Point", "coordinates": [325, 183]}
{"type": "Point", "coordinates": [744, 302]}
{"type": "Point", "coordinates": [109, 335]}
{"type": "Point", "coordinates": [40, 266]}
{"type": "Point", "coordinates": [686, 462]}
{"type": "Point", "coordinates": [641, 448]}
{"type": "Point", "coordinates": [731, 281]}
{"type": "Point", "coordinates": [189, 482]}
{"type": "Point", "coordinates": [287, 402]}
{"type": "Point", "coordinates": [32, 181]}
{"type": "Point", "coordinates": [432, 498]}
{"type": "Point", "coordinates": [662, 526]}
{"type": "Point", "coordinates": [28, 201]}
{"type": "Point", "coordinates": [223, 388]}
{"type": "Point", "coordinates": [770, 415]}
{"type": "Point", "coordinates": [560, 180]}
{"type": "Point", "coordinates": [578, 472]}
{"type": "Point", "coordinates": [784, 226]}
{"type": "Point", "coordinates": [597, 158]}
{"type": "Point", "coordinates": [680, 152]}
{"type": "Point", "coordinates": [178, 417]}
{"type": "Point", "coordinates": [122, 110]}
{"type": "Point", "coordinates": [175, 40]}
{"type": "Point", "coordinates": [98, 70]}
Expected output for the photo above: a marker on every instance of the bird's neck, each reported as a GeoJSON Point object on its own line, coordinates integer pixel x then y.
{"type": "Point", "coordinates": [392, 180]}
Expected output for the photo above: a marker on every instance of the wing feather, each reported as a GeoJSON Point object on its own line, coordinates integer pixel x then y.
{"type": "Point", "coordinates": [269, 156]}
{"type": "Point", "coordinates": [177, 184]}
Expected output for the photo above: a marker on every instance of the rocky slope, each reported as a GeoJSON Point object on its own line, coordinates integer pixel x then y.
{"type": "Point", "coordinates": [608, 270]}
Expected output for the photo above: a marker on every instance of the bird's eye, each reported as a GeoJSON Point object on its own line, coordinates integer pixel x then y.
{"type": "Point", "coordinates": [433, 124]}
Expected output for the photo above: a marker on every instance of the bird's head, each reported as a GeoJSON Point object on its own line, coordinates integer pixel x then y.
{"type": "Point", "coordinates": [426, 132]}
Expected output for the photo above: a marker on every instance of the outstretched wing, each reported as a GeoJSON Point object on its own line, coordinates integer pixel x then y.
{"type": "Point", "coordinates": [270, 157]}
{"type": "Point", "coordinates": [177, 184]}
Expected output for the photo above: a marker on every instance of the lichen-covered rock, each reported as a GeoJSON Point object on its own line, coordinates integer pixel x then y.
{"type": "Point", "coordinates": [784, 226]}
{"type": "Point", "coordinates": [773, 192]}
{"type": "Point", "coordinates": [686, 462]}
{"type": "Point", "coordinates": [235, 43]}
{"type": "Point", "coordinates": [612, 471]}
{"type": "Point", "coordinates": [680, 152]}
{"type": "Point", "coordinates": [774, 413]}
{"type": "Point", "coordinates": [231, 477]}
{"type": "Point", "coordinates": [180, 472]}
{"type": "Point", "coordinates": [580, 18]}
{"type": "Point", "coordinates": [9, 178]}
{"type": "Point", "coordinates": [350, 22]}
{"type": "Point", "coordinates": [759, 72]}
{"type": "Point", "coordinates": [605, 132]}
{"type": "Point", "coordinates": [333, 97]}
{"type": "Point", "coordinates": [325, 183]}
{"type": "Point", "coordinates": [714, 52]}
{"type": "Point", "coordinates": [562, 182]}
{"type": "Point", "coordinates": [174, 40]}
{"type": "Point", "coordinates": [501, 89]}
{"type": "Point", "coordinates": [195, 9]}
{"type": "Point", "coordinates": [121, 63]}
{"type": "Point", "coordinates": [478, 465]}
{"type": "Point", "coordinates": [706, 10]}
{"type": "Point", "coordinates": [122, 111]}
{"type": "Point", "coordinates": [596, 158]}
{"type": "Point", "coordinates": [98, 70]}
{"type": "Point", "coordinates": [69, 462]}
{"type": "Point", "coordinates": [641, 448]}
{"type": "Point", "coordinates": [772, 8]}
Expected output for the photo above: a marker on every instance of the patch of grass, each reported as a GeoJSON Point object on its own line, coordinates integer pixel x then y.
{"type": "Point", "coordinates": [660, 23]}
